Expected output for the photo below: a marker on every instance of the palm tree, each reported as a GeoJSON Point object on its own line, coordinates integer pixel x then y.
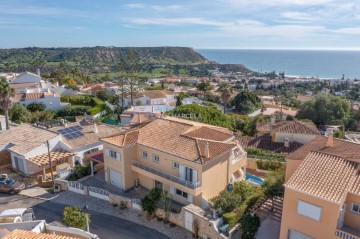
{"type": "Point", "coordinates": [5, 99]}
{"type": "Point", "coordinates": [225, 97]}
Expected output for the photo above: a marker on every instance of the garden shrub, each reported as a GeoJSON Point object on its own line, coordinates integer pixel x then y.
{"type": "Point", "coordinates": [230, 218]}
{"type": "Point", "coordinates": [249, 225]}
{"type": "Point", "coordinates": [74, 217]}
{"type": "Point", "coordinates": [266, 154]}
{"type": "Point", "coordinates": [268, 164]}
{"type": "Point", "coordinates": [148, 203]}
{"type": "Point", "coordinates": [79, 171]}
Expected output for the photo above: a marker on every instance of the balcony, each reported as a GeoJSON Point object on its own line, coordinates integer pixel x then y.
{"type": "Point", "coordinates": [168, 176]}
{"type": "Point", "coordinates": [348, 233]}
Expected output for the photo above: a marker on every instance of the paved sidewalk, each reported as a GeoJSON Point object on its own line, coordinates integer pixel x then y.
{"type": "Point", "coordinates": [38, 192]}
{"type": "Point", "coordinates": [133, 215]}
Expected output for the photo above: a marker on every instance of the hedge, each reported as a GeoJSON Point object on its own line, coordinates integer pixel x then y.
{"type": "Point", "coordinates": [265, 154]}
{"type": "Point", "coordinates": [230, 218]}
{"type": "Point", "coordinates": [268, 164]}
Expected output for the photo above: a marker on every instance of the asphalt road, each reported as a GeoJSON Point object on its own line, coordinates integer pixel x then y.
{"type": "Point", "coordinates": [105, 226]}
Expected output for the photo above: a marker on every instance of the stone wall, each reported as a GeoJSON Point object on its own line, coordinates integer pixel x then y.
{"type": "Point", "coordinates": [117, 199]}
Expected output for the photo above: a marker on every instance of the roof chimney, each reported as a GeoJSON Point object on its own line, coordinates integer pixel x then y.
{"type": "Point", "coordinates": [95, 128]}
{"type": "Point", "coordinates": [207, 152]}
{"type": "Point", "coordinates": [330, 141]}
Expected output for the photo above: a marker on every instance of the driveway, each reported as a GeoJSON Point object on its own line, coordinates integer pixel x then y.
{"type": "Point", "coordinates": [269, 229]}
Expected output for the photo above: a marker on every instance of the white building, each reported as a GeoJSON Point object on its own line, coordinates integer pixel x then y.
{"type": "Point", "coordinates": [27, 77]}
{"type": "Point", "coordinates": [152, 98]}
{"type": "Point", "coordinates": [50, 100]}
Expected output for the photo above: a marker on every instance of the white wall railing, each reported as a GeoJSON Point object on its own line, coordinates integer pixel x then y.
{"type": "Point", "coordinates": [76, 187]}
{"type": "Point", "coordinates": [99, 193]}
{"type": "Point", "coordinates": [345, 235]}
{"type": "Point", "coordinates": [166, 175]}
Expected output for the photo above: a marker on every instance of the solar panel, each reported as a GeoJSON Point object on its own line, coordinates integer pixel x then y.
{"type": "Point", "coordinates": [71, 132]}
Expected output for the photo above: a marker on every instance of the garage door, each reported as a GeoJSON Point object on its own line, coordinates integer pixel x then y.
{"type": "Point", "coordinates": [297, 235]}
{"type": "Point", "coordinates": [115, 178]}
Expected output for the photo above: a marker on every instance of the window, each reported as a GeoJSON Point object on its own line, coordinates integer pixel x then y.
{"type": "Point", "coordinates": [309, 210]}
{"type": "Point", "coordinates": [114, 154]}
{"type": "Point", "coordinates": [181, 193]}
{"type": "Point", "coordinates": [292, 234]}
{"type": "Point", "coordinates": [156, 158]}
{"type": "Point", "coordinates": [175, 165]}
{"type": "Point", "coordinates": [91, 151]}
{"type": "Point", "coordinates": [355, 208]}
{"type": "Point", "coordinates": [144, 154]}
{"type": "Point", "coordinates": [189, 174]}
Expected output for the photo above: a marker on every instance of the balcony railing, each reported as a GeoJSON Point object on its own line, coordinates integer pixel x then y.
{"type": "Point", "coordinates": [166, 175]}
{"type": "Point", "coordinates": [345, 235]}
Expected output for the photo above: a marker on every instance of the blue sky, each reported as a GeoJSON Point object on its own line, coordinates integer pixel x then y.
{"type": "Point", "coordinates": [279, 24]}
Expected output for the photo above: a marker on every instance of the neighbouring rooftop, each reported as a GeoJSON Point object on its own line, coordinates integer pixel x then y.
{"type": "Point", "coordinates": [326, 176]}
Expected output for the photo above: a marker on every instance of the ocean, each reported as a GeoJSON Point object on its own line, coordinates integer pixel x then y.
{"type": "Point", "coordinates": [307, 63]}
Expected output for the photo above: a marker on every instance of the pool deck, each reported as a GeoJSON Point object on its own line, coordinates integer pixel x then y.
{"type": "Point", "coordinates": [255, 173]}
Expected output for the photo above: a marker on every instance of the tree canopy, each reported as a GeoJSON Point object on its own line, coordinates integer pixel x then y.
{"type": "Point", "coordinates": [325, 109]}
{"type": "Point", "coordinates": [205, 114]}
{"type": "Point", "coordinates": [246, 102]}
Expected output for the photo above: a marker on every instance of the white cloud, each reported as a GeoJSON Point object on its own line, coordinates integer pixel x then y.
{"type": "Point", "coordinates": [166, 8]}
{"type": "Point", "coordinates": [259, 3]}
{"type": "Point", "coordinates": [298, 16]}
{"type": "Point", "coordinates": [349, 30]}
{"type": "Point", "coordinates": [174, 21]}
{"type": "Point", "coordinates": [134, 5]}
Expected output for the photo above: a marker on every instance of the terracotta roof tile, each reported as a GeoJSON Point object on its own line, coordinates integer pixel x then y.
{"type": "Point", "coordinates": [204, 132]}
{"type": "Point", "coordinates": [89, 136]}
{"type": "Point", "coordinates": [345, 149]}
{"type": "Point", "coordinates": [263, 127]}
{"type": "Point", "coordinates": [264, 142]}
{"type": "Point", "coordinates": [177, 138]}
{"type": "Point", "coordinates": [295, 127]}
{"type": "Point", "coordinates": [326, 176]}
{"type": "Point", "coordinates": [22, 234]}
{"type": "Point", "coordinates": [25, 137]}
{"type": "Point", "coordinates": [97, 156]}
{"type": "Point", "coordinates": [138, 118]}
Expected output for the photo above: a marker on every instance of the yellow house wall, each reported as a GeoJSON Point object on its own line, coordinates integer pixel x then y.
{"type": "Point", "coordinates": [352, 219]}
{"type": "Point", "coordinates": [215, 177]}
{"type": "Point", "coordinates": [109, 162]}
{"type": "Point", "coordinates": [166, 160]}
{"type": "Point", "coordinates": [292, 220]}
{"type": "Point", "coordinates": [301, 138]}
{"type": "Point", "coordinates": [129, 175]}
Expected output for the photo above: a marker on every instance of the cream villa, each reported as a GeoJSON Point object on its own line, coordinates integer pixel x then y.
{"type": "Point", "coordinates": [192, 161]}
{"type": "Point", "coordinates": [322, 191]}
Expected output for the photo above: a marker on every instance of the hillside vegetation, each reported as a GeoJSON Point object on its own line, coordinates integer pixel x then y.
{"type": "Point", "coordinates": [158, 61]}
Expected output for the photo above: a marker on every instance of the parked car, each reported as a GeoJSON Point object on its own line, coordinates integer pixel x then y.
{"type": "Point", "coordinates": [17, 215]}
{"type": "Point", "coordinates": [11, 186]}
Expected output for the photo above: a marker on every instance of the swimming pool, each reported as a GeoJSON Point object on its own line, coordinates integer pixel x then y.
{"type": "Point", "coordinates": [254, 179]}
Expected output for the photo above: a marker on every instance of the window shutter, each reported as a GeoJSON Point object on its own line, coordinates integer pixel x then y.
{"type": "Point", "coordinates": [190, 198]}
{"type": "Point", "coordinates": [182, 172]}
{"type": "Point", "coordinates": [107, 152]}
{"type": "Point", "coordinates": [194, 176]}
{"type": "Point", "coordinates": [172, 190]}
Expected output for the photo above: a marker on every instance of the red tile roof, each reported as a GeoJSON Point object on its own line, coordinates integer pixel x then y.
{"type": "Point", "coordinates": [97, 156]}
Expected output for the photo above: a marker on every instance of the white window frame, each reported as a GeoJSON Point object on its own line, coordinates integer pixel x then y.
{"type": "Point", "coordinates": [174, 163]}
{"type": "Point", "coordinates": [156, 158]}
{"type": "Point", "coordinates": [143, 154]}
{"type": "Point", "coordinates": [351, 208]}
{"type": "Point", "coordinates": [113, 153]}
{"type": "Point", "coordinates": [181, 194]}
{"type": "Point", "coordinates": [299, 202]}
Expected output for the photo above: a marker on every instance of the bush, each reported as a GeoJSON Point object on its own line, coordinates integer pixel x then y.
{"type": "Point", "coordinates": [230, 218]}
{"type": "Point", "coordinates": [79, 171]}
{"type": "Point", "coordinates": [78, 100]}
{"type": "Point", "coordinates": [266, 154]}
{"type": "Point", "coordinates": [228, 201]}
{"type": "Point", "coordinates": [74, 217]}
{"type": "Point", "coordinates": [33, 107]}
{"type": "Point", "coordinates": [269, 164]}
{"type": "Point", "coordinates": [148, 203]}
{"type": "Point", "coordinates": [73, 110]}
{"type": "Point", "coordinates": [249, 225]}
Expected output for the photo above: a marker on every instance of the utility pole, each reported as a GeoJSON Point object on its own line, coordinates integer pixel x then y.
{"type": "Point", "coordinates": [50, 163]}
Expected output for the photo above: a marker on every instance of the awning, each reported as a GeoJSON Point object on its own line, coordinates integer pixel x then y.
{"type": "Point", "coordinates": [97, 156]}
{"type": "Point", "coordinates": [57, 156]}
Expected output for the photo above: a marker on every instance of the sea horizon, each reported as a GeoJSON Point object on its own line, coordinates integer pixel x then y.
{"type": "Point", "coordinates": [329, 64]}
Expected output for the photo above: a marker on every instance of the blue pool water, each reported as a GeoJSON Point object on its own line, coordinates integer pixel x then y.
{"type": "Point", "coordinates": [253, 178]}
